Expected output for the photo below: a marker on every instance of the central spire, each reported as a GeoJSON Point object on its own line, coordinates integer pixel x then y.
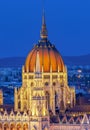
{"type": "Point", "coordinates": [43, 32]}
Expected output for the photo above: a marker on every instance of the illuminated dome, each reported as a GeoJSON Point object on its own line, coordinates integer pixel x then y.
{"type": "Point", "coordinates": [50, 59]}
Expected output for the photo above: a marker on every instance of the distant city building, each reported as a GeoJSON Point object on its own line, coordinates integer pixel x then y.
{"type": "Point", "coordinates": [44, 97]}
{"type": "Point", "coordinates": [1, 97]}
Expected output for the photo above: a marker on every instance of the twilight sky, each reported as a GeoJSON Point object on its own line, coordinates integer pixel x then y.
{"type": "Point", "coordinates": [68, 24]}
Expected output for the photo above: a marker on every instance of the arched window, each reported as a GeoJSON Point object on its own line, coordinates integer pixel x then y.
{"type": "Point", "coordinates": [56, 100]}
{"type": "Point", "coordinates": [19, 127]}
{"type": "Point", "coordinates": [19, 105]}
{"type": "Point", "coordinates": [12, 127]}
{"type": "Point", "coordinates": [47, 100]}
{"type": "Point", "coordinates": [25, 127]}
{"type": "Point", "coordinates": [6, 127]}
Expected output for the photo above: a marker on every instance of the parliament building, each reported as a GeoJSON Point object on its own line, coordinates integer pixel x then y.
{"type": "Point", "coordinates": [44, 97]}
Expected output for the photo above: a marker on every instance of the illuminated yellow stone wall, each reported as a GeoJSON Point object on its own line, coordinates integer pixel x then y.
{"type": "Point", "coordinates": [56, 88]}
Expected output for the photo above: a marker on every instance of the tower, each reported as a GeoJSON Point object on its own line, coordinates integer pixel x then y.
{"type": "Point", "coordinates": [44, 65]}
{"type": "Point", "coordinates": [39, 115]}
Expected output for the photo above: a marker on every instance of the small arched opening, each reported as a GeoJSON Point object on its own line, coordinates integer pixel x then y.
{"type": "Point", "coordinates": [6, 127]}
{"type": "Point", "coordinates": [25, 127]}
{"type": "Point", "coordinates": [12, 127]}
{"type": "Point", "coordinates": [19, 127]}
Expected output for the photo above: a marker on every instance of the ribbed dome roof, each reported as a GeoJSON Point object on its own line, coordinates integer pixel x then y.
{"type": "Point", "coordinates": [50, 58]}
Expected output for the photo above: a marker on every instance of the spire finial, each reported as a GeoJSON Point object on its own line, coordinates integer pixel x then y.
{"type": "Point", "coordinates": [43, 33]}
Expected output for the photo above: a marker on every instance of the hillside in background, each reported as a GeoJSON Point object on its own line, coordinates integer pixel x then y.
{"type": "Point", "coordinates": [12, 62]}
{"type": "Point", "coordinates": [77, 60]}
{"type": "Point", "coordinates": [68, 60]}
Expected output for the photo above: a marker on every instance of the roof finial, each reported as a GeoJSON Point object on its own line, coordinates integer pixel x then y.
{"type": "Point", "coordinates": [43, 33]}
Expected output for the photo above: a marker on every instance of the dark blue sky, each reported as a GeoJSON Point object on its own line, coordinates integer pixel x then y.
{"type": "Point", "coordinates": [68, 23]}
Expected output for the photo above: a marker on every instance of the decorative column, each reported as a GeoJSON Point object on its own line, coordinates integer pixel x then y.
{"type": "Point", "coordinates": [21, 100]}
{"type": "Point", "coordinates": [15, 100]}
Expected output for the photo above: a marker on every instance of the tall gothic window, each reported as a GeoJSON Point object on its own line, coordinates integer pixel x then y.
{"type": "Point", "coordinates": [47, 100]}
{"type": "Point", "coordinates": [19, 105]}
